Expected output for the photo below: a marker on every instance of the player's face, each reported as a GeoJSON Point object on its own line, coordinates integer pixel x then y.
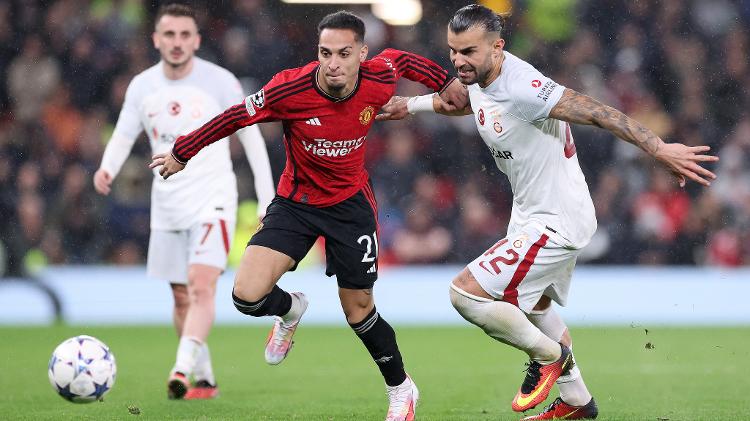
{"type": "Point", "coordinates": [176, 38]}
{"type": "Point", "coordinates": [473, 53]}
{"type": "Point", "coordinates": [340, 55]}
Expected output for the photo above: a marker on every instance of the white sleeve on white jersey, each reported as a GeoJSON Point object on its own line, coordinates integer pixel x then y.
{"type": "Point", "coordinates": [257, 155]}
{"type": "Point", "coordinates": [126, 131]}
{"type": "Point", "coordinates": [533, 94]}
{"type": "Point", "coordinates": [255, 148]}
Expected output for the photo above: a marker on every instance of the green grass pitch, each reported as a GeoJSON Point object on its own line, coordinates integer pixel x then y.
{"type": "Point", "coordinates": [684, 374]}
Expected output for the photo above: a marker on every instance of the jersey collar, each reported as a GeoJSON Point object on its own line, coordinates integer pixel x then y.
{"type": "Point", "coordinates": [331, 98]}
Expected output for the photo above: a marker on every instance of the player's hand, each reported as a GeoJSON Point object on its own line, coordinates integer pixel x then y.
{"type": "Point", "coordinates": [169, 165]}
{"type": "Point", "coordinates": [395, 109]}
{"type": "Point", "coordinates": [456, 94]}
{"type": "Point", "coordinates": [685, 162]}
{"type": "Point", "coordinates": [102, 181]}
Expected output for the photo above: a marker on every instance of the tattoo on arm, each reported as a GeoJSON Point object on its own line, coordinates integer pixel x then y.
{"type": "Point", "coordinates": [578, 108]}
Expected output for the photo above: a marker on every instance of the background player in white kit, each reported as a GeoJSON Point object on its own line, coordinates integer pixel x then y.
{"type": "Point", "coordinates": [193, 214]}
{"type": "Point", "coordinates": [523, 117]}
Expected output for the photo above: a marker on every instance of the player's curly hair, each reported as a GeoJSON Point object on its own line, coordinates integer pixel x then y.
{"type": "Point", "coordinates": [476, 15]}
{"type": "Point", "coordinates": [344, 20]}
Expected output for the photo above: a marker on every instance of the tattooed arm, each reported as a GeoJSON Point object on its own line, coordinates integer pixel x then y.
{"type": "Point", "coordinates": [683, 161]}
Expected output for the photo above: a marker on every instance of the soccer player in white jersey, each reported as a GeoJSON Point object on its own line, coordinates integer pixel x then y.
{"type": "Point", "coordinates": [524, 119]}
{"type": "Point", "coordinates": [192, 214]}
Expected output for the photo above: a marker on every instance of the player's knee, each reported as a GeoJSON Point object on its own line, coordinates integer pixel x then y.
{"type": "Point", "coordinates": [270, 304]}
{"type": "Point", "coordinates": [468, 308]}
{"type": "Point", "coordinates": [181, 297]}
{"type": "Point", "coordinates": [202, 292]}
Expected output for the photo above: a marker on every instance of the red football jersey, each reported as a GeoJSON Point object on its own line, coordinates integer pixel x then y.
{"type": "Point", "coordinates": [324, 136]}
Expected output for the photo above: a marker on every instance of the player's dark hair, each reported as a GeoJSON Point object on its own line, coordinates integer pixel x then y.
{"type": "Point", "coordinates": [175, 9]}
{"type": "Point", "coordinates": [475, 15]}
{"type": "Point", "coordinates": [344, 20]}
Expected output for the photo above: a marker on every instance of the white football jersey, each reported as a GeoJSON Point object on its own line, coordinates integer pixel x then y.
{"type": "Point", "coordinates": [166, 109]}
{"type": "Point", "coordinates": [537, 153]}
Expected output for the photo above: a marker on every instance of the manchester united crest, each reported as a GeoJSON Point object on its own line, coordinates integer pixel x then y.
{"type": "Point", "coordinates": [366, 115]}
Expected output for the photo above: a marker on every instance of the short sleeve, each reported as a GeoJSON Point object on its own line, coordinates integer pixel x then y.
{"type": "Point", "coordinates": [534, 94]}
{"type": "Point", "coordinates": [129, 122]}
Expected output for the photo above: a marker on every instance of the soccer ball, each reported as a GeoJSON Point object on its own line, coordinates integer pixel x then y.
{"type": "Point", "coordinates": [82, 369]}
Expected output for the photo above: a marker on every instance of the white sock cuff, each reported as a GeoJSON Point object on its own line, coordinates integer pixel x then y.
{"type": "Point", "coordinates": [192, 338]}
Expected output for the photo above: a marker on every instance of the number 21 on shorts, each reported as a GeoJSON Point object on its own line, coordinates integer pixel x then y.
{"type": "Point", "coordinates": [368, 241]}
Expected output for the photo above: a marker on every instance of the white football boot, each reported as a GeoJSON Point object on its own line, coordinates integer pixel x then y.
{"type": "Point", "coordinates": [403, 401]}
{"type": "Point", "coordinates": [279, 341]}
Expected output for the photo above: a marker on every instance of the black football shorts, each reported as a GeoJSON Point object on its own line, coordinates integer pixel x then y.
{"type": "Point", "coordinates": [349, 229]}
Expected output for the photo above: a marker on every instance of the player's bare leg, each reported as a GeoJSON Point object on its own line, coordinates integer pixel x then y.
{"type": "Point", "coordinates": [256, 294]}
{"type": "Point", "coordinates": [575, 401]}
{"type": "Point", "coordinates": [380, 340]}
{"type": "Point", "coordinates": [508, 324]}
{"type": "Point", "coordinates": [181, 305]}
{"type": "Point", "coordinates": [192, 350]}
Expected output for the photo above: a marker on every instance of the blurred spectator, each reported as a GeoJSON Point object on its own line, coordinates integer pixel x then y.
{"type": "Point", "coordinates": [32, 77]}
{"type": "Point", "coordinates": [421, 240]}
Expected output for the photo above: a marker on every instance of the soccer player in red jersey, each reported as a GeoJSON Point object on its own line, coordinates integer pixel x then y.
{"type": "Point", "coordinates": [326, 107]}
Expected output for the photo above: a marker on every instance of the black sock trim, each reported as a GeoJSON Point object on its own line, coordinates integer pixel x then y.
{"type": "Point", "coordinates": [367, 323]}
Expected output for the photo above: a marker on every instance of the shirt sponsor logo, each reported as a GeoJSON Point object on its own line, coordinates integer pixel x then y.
{"type": "Point", "coordinates": [256, 100]}
{"type": "Point", "coordinates": [366, 115]}
{"type": "Point", "coordinates": [333, 148]}
{"type": "Point", "coordinates": [536, 83]}
{"type": "Point", "coordinates": [546, 90]}
{"type": "Point", "coordinates": [500, 154]}
{"type": "Point", "coordinates": [480, 116]}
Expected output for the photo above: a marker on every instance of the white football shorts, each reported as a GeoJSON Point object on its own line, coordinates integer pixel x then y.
{"type": "Point", "coordinates": [171, 252]}
{"type": "Point", "coordinates": [528, 263]}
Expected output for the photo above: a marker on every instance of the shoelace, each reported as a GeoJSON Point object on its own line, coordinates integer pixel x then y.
{"type": "Point", "coordinates": [398, 396]}
{"type": "Point", "coordinates": [282, 332]}
{"type": "Point", "coordinates": [533, 374]}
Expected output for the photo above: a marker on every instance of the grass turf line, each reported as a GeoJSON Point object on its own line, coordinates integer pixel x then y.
{"type": "Point", "coordinates": [688, 374]}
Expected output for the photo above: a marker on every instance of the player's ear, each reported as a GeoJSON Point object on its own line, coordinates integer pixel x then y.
{"type": "Point", "coordinates": [155, 38]}
{"type": "Point", "coordinates": [497, 47]}
{"type": "Point", "coordinates": [363, 53]}
{"type": "Point", "coordinates": [197, 41]}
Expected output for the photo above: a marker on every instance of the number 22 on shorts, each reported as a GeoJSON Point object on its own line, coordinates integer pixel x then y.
{"type": "Point", "coordinates": [506, 256]}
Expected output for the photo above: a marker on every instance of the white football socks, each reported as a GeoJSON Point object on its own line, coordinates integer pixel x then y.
{"type": "Point", "coordinates": [506, 323]}
{"type": "Point", "coordinates": [295, 311]}
{"type": "Point", "coordinates": [188, 352]}
{"type": "Point", "coordinates": [572, 388]}
{"type": "Point", "coordinates": [203, 368]}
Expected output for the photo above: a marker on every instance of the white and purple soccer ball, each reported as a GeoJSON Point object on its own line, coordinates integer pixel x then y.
{"type": "Point", "coordinates": [82, 369]}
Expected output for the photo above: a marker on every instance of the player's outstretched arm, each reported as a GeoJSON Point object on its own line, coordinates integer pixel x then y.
{"type": "Point", "coordinates": [169, 165]}
{"type": "Point", "coordinates": [399, 107]}
{"type": "Point", "coordinates": [683, 161]}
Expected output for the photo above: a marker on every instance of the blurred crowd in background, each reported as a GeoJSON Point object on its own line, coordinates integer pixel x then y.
{"type": "Point", "coordinates": [680, 67]}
